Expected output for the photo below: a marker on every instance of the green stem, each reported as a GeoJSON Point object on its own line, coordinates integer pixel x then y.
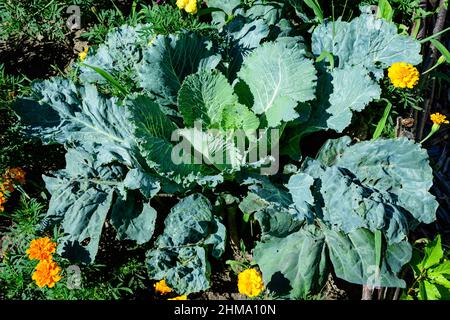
{"type": "Point", "coordinates": [434, 35]}
{"type": "Point", "coordinates": [435, 128]}
{"type": "Point", "coordinates": [438, 63]}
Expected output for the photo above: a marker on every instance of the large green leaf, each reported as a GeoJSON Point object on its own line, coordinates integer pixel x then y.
{"type": "Point", "coordinates": [294, 266]}
{"type": "Point", "coordinates": [118, 55]}
{"type": "Point", "coordinates": [300, 188]}
{"type": "Point", "coordinates": [350, 205]}
{"type": "Point", "coordinates": [367, 42]}
{"type": "Point", "coordinates": [433, 253]}
{"type": "Point", "coordinates": [353, 89]}
{"type": "Point", "coordinates": [228, 8]}
{"type": "Point", "coordinates": [147, 119]}
{"type": "Point", "coordinates": [238, 116]}
{"type": "Point", "coordinates": [354, 259]}
{"type": "Point", "coordinates": [133, 220]}
{"type": "Point", "coordinates": [214, 148]}
{"type": "Point", "coordinates": [138, 180]}
{"type": "Point", "coordinates": [180, 253]}
{"type": "Point", "coordinates": [203, 96]}
{"type": "Point", "coordinates": [83, 116]}
{"type": "Point", "coordinates": [57, 101]}
{"type": "Point", "coordinates": [244, 35]}
{"type": "Point", "coordinates": [398, 166]}
{"type": "Point", "coordinates": [155, 134]}
{"type": "Point", "coordinates": [169, 59]}
{"type": "Point", "coordinates": [276, 222]}
{"type": "Point", "coordinates": [270, 11]}
{"type": "Point", "coordinates": [333, 150]}
{"type": "Point", "coordinates": [279, 77]}
{"type": "Point", "coordinates": [270, 192]}
{"type": "Point", "coordinates": [443, 268]}
{"type": "Point", "coordinates": [82, 196]}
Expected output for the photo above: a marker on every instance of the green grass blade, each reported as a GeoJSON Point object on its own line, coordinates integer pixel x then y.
{"type": "Point", "coordinates": [382, 122]}
{"type": "Point", "coordinates": [108, 77]}
{"type": "Point", "coordinates": [442, 49]}
{"type": "Point", "coordinates": [315, 6]}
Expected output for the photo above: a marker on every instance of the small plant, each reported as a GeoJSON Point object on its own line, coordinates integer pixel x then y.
{"type": "Point", "coordinates": [12, 86]}
{"type": "Point", "coordinates": [32, 20]}
{"type": "Point", "coordinates": [107, 20]}
{"type": "Point", "coordinates": [165, 19]}
{"type": "Point", "coordinates": [431, 269]}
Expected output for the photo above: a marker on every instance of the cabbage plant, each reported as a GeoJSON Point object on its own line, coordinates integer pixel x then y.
{"type": "Point", "coordinates": [351, 209]}
{"type": "Point", "coordinates": [138, 94]}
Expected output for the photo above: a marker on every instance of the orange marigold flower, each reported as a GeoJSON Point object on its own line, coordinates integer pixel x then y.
{"type": "Point", "coordinates": [46, 273]}
{"type": "Point", "coordinates": [2, 198]}
{"type": "Point", "coordinates": [161, 287]}
{"type": "Point", "coordinates": [16, 174]}
{"type": "Point", "coordinates": [403, 75]}
{"type": "Point", "coordinates": [439, 119]}
{"type": "Point", "coordinates": [41, 249]}
{"type": "Point", "coordinates": [183, 297]}
{"type": "Point", "coordinates": [6, 186]}
{"type": "Point", "coordinates": [250, 282]}
{"type": "Point", "coordinates": [2, 201]}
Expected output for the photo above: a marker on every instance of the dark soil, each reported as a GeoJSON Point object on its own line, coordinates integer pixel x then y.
{"type": "Point", "coordinates": [35, 60]}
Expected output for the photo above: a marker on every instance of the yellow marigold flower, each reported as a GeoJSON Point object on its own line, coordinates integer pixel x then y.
{"type": "Point", "coordinates": [83, 54]}
{"type": "Point", "coordinates": [184, 297]}
{"type": "Point", "coordinates": [46, 273]}
{"type": "Point", "coordinates": [2, 208]}
{"type": "Point", "coordinates": [161, 287]}
{"type": "Point", "coordinates": [250, 283]}
{"type": "Point", "coordinates": [403, 75]}
{"type": "Point", "coordinates": [182, 4]}
{"type": "Point", "coordinates": [41, 249]}
{"type": "Point", "coordinates": [16, 174]}
{"type": "Point", "coordinates": [439, 119]}
{"type": "Point", "coordinates": [191, 7]}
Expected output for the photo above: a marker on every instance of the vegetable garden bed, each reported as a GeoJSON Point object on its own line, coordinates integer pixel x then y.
{"type": "Point", "coordinates": [281, 149]}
